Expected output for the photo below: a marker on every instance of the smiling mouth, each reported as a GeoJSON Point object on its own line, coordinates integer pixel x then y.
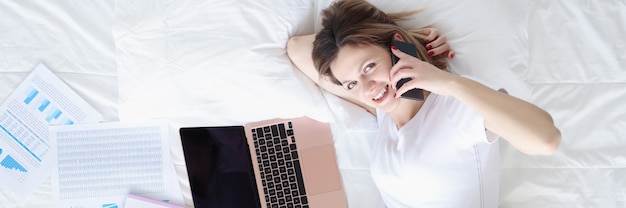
{"type": "Point", "coordinates": [381, 93]}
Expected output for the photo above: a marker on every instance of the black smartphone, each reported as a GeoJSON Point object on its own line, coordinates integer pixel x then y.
{"type": "Point", "coordinates": [408, 48]}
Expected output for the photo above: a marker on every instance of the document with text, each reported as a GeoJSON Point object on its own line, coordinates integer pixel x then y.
{"type": "Point", "coordinates": [40, 101]}
{"type": "Point", "coordinates": [100, 164]}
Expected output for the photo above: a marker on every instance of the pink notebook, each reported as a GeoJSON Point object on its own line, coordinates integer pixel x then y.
{"type": "Point", "coordinates": [134, 201]}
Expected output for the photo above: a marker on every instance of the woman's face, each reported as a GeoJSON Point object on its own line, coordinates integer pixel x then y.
{"type": "Point", "coordinates": [364, 72]}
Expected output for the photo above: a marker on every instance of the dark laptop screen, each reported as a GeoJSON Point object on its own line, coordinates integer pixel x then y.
{"type": "Point", "coordinates": [219, 167]}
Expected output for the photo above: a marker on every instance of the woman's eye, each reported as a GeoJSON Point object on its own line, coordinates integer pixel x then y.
{"type": "Point", "coordinates": [369, 67]}
{"type": "Point", "coordinates": [351, 85]}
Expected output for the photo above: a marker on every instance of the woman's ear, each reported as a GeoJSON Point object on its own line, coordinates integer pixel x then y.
{"type": "Point", "coordinates": [397, 36]}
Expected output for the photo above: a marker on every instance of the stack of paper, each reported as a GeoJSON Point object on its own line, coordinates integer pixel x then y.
{"type": "Point", "coordinates": [45, 127]}
{"type": "Point", "coordinates": [38, 102]}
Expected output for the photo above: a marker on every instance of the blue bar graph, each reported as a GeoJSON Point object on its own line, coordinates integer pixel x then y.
{"type": "Point", "coordinates": [10, 164]}
{"type": "Point", "coordinates": [56, 114]}
{"type": "Point", "coordinates": [109, 206]}
{"type": "Point", "coordinates": [44, 105]}
{"type": "Point", "coordinates": [31, 95]}
{"type": "Point", "coordinates": [53, 115]}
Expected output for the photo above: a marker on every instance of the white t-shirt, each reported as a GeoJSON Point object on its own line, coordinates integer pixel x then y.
{"type": "Point", "coordinates": [443, 157]}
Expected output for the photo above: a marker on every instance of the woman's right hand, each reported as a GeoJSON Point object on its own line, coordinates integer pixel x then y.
{"type": "Point", "coordinates": [423, 74]}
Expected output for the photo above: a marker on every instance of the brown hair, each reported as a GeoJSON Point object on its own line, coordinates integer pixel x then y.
{"type": "Point", "coordinates": [355, 23]}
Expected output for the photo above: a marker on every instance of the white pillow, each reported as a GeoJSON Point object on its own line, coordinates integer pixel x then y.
{"type": "Point", "coordinates": [223, 61]}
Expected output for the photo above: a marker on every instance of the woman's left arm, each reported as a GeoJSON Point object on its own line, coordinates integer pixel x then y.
{"type": "Point", "coordinates": [527, 127]}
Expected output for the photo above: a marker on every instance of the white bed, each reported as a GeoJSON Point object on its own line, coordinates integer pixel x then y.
{"type": "Point", "coordinates": [213, 63]}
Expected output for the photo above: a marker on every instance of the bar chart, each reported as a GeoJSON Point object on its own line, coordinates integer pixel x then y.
{"type": "Point", "coordinates": [109, 206]}
{"type": "Point", "coordinates": [45, 108]}
{"type": "Point", "coordinates": [31, 95]}
{"type": "Point", "coordinates": [9, 163]}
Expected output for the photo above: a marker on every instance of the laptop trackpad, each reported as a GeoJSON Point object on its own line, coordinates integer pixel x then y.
{"type": "Point", "coordinates": [320, 170]}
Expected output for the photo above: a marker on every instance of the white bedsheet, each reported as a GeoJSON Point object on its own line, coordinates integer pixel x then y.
{"type": "Point", "coordinates": [73, 39]}
{"type": "Point", "coordinates": [211, 62]}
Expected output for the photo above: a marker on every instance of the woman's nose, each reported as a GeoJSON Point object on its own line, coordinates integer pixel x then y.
{"type": "Point", "coordinates": [369, 86]}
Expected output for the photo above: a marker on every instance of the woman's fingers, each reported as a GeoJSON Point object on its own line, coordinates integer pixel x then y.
{"type": "Point", "coordinates": [451, 54]}
{"type": "Point", "coordinates": [431, 34]}
{"type": "Point", "coordinates": [439, 47]}
{"type": "Point", "coordinates": [402, 74]}
{"type": "Point", "coordinates": [439, 50]}
{"type": "Point", "coordinates": [423, 74]}
{"type": "Point", "coordinates": [404, 68]}
{"type": "Point", "coordinates": [436, 44]}
{"type": "Point", "coordinates": [435, 41]}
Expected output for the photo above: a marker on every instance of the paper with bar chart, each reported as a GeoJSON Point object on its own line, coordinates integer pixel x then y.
{"type": "Point", "coordinates": [41, 100]}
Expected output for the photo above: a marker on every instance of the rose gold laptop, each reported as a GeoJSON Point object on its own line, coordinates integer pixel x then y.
{"type": "Point", "coordinates": [273, 163]}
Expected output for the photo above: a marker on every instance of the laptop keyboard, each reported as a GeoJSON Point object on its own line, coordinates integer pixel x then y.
{"type": "Point", "coordinates": [281, 175]}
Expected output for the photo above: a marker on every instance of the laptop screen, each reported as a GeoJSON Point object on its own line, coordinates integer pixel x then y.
{"type": "Point", "coordinates": [219, 168]}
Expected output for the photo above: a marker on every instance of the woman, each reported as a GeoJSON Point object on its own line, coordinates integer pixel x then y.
{"type": "Point", "coordinates": [439, 152]}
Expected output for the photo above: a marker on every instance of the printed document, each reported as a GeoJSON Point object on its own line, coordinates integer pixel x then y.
{"type": "Point", "coordinates": [41, 100]}
{"type": "Point", "coordinates": [100, 164]}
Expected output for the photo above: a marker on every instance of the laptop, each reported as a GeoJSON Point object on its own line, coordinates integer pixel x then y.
{"type": "Point", "coordinates": [270, 164]}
